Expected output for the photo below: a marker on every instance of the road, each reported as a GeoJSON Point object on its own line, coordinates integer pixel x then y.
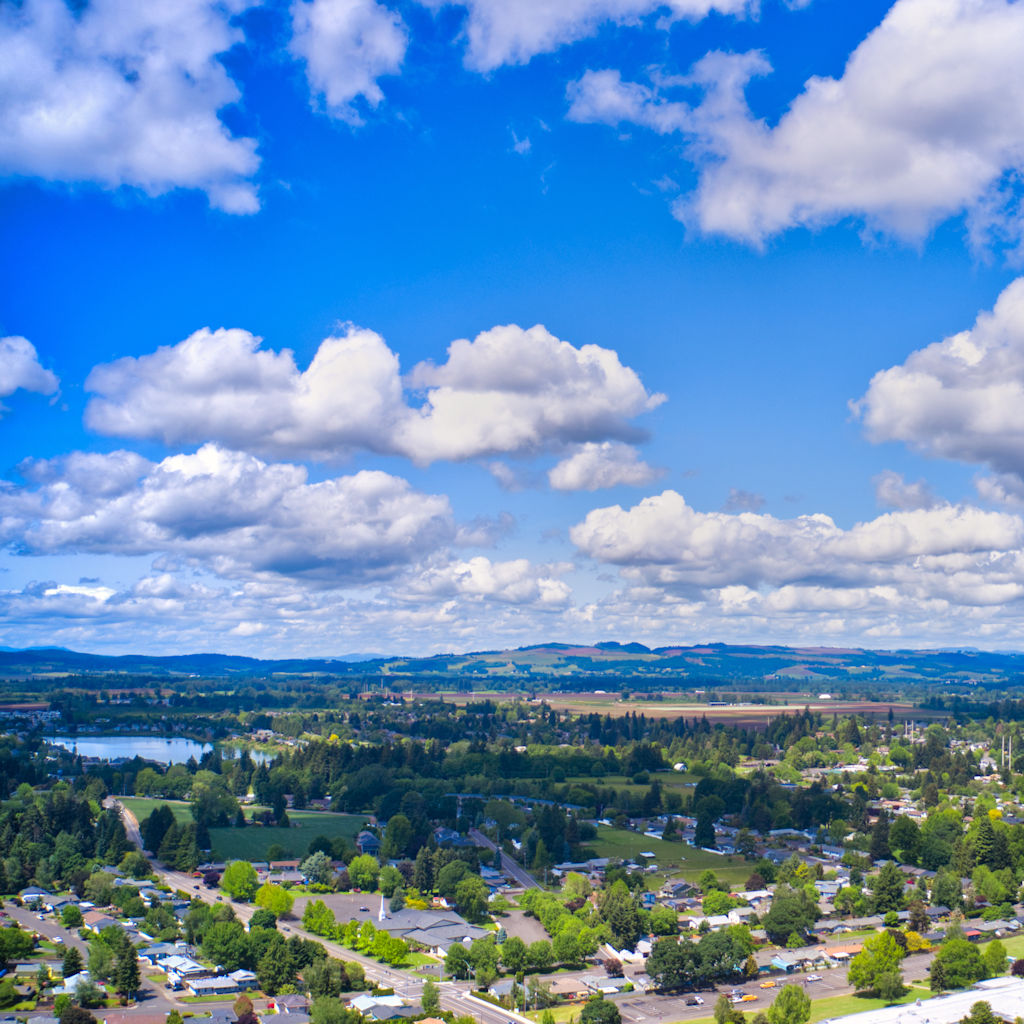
{"type": "Point", "coordinates": [455, 996]}
{"type": "Point", "coordinates": [524, 878]}
{"type": "Point", "coordinates": [153, 998]}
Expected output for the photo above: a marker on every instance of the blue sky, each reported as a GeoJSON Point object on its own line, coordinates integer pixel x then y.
{"type": "Point", "coordinates": [348, 325]}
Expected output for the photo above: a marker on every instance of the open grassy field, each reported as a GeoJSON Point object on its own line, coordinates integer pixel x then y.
{"type": "Point", "coordinates": [252, 843]}
{"type": "Point", "coordinates": [676, 859]}
{"type": "Point", "coordinates": [142, 807]}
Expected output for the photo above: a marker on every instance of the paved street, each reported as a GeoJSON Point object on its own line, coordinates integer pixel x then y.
{"type": "Point", "coordinates": [635, 1009]}
{"type": "Point", "coordinates": [508, 864]}
{"type": "Point", "coordinates": [153, 997]}
{"type": "Point", "coordinates": [454, 995]}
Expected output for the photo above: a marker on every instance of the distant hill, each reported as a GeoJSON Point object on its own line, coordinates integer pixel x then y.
{"type": "Point", "coordinates": [562, 665]}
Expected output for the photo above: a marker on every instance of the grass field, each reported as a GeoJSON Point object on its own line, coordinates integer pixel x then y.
{"type": "Point", "coordinates": [142, 807]}
{"type": "Point", "coordinates": [252, 843]}
{"type": "Point", "coordinates": [672, 858]}
{"type": "Point", "coordinates": [1014, 945]}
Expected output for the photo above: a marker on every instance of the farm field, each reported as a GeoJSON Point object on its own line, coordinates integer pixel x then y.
{"type": "Point", "coordinates": [675, 859]}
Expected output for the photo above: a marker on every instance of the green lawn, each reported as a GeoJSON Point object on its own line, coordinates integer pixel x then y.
{"type": "Point", "coordinates": [252, 842]}
{"type": "Point", "coordinates": [1014, 945]}
{"type": "Point", "coordinates": [142, 807]}
{"type": "Point", "coordinates": [676, 859]}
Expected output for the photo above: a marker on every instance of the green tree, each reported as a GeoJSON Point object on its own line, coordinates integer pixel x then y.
{"type": "Point", "coordinates": [887, 889]}
{"type": "Point", "coordinates": [274, 971]}
{"type": "Point", "coordinates": [318, 918]}
{"type": "Point", "coordinates": [881, 955]}
{"type": "Point", "coordinates": [430, 1000]}
{"type": "Point", "coordinates": [995, 959]}
{"type": "Point", "coordinates": [262, 918]}
{"type": "Point", "coordinates": [457, 963]}
{"type": "Point", "coordinates": [71, 964]}
{"type": "Point", "coordinates": [672, 964]}
{"type": "Point", "coordinates": [598, 1010]}
{"type": "Point", "coordinates": [226, 943]}
{"type": "Point", "coordinates": [905, 839]}
{"type": "Point", "coordinates": [620, 913]}
{"type": "Point", "coordinates": [332, 1011]}
{"type": "Point", "coordinates": [239, 880]}
{"type": "Point", "coordinates": [398, 837]}
{"type": "Point", "coordinates": [792, 911]}
{"type": "Point", "coordinates": [126, 973]}
{"type": "Point", "coordinates": [364, 872]}
{"type": "Point", "coordinates": [317, 868]}
{"type": "Point", "coordinates": [957, 964]}
{"type": "Point", "coordinates": [471, 896]}
{"type": "Point", "coordinates": [791, 1006]}
{"type": "Point", "coordinates": [71, 916]}
{"type": "Point", "coordinates": [513, 954]}
{"type": "Point", "coordinates": [275, 898]}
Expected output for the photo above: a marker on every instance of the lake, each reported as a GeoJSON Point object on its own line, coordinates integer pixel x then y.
{"type": "Point", "coordinates": [164, 750]}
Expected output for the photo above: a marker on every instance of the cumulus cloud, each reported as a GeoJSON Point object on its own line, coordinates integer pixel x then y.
{"type": "Point", "coordinates": [500, 33]}
{"type": "Point", "coordinates": [230, 513]}
{"type": "Point", "coordinates": [516, 581]}
{"type": "Point", "coordinates": [20, 369]}
{"type": "Point", "coordinates": [516, 390]}
{"type": "Point", "coordinates": [960, 398]}
{"type": "Point", "coordinates": [472, 604]}
{"type": "Point", "coordinates": [924, 124]}
{"type": "Point", "coordinates": [596, 465]}
{"type": "Point", "coordinates": [664, 543]}
{"type": "Point", "coordinates": [893, 491]}
{"type": "Point", "coordinates": [347, 45]}
{"type": "Point", "coordinates": [508, 390]}
{"type": "Point", "coordinates": [221, 386]}
{"type": "Point", "coordinates": [124, 94]}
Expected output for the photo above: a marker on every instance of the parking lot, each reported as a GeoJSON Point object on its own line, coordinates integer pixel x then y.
{"type": "Point", "coordinates": [637, 1009]}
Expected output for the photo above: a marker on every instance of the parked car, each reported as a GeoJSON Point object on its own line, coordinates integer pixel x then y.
{"type": "Point", "coordinates": [694, 1001]}
{"type": "Point", "coordinates": [770, 983]}
{"type": "Point", "coordinates": [813, 977]}
{"type": "Point", "coordinates": [748, 997]}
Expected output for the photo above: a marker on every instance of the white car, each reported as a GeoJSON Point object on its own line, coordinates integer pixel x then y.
{"type": "Point", "coordinates": [813, 977]}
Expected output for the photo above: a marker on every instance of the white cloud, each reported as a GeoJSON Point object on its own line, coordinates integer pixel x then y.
{"type": "Point", "coordinates": [602, 97]}
{"type": "Point", "coordinates": [948, 574]}
{"type": "Point", "coordinates": [221, 386]}
{"type": "Point", "coordinates": [664, 543]}
{"type": "Point", "coordinates": [960, 398]}
{"type": "Point", "coordinates": [474, 604]}
{"type": "Point", "coordinates": [231, 514]}
{"type": "Point", "coordinates": [606, 464]}
{"type": "Point", "coordinates": [124, 94]}
{"type": "Point", "coordinates": [20, 368]}
{"type": "Point", "coordinates": [893, 491]}
{"type": "Point", "coordinates": [516, 390]}
{"type": "Point", "coordinates": [924, 124]}
{"type": "Point", "coordinates": [512, 582]}
{"type": "Point", "coordinates": [508, 390]}
{"type": "Point", "coordinates": [347, 45]}
{"type": "Point", "coordinates": [500, 32]}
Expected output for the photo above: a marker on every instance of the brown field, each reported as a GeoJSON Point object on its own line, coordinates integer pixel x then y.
{"type": "Point", "coordinates": [678, 705]}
